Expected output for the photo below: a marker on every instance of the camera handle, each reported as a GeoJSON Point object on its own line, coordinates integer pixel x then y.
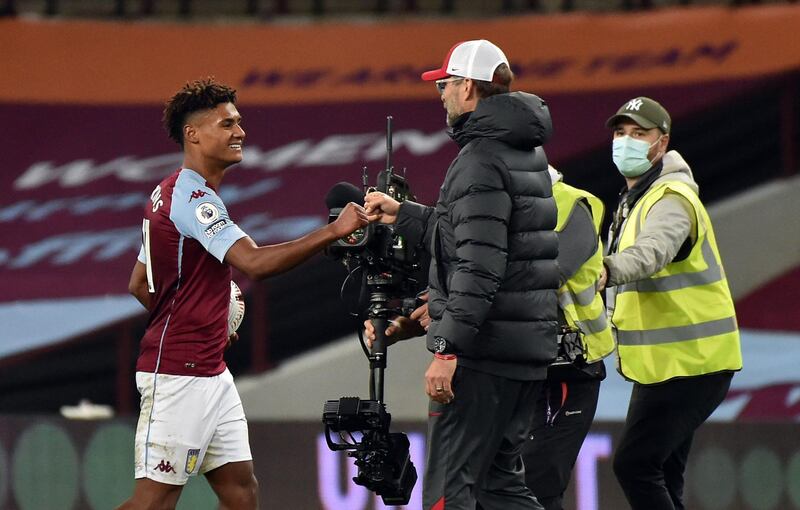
{"type": "Point", "coordinates": [378, 313]}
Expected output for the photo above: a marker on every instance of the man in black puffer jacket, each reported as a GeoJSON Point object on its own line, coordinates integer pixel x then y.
{"type": "Point", "coordinates": [493, 281]}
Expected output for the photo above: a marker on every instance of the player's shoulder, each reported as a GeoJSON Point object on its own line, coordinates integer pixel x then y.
{"type": "Point", "coordinates": [191, 186]}
{"type": "Point", "coordinates": [195, 205]}
{"type": "Point", "coordinates": [192, 193]}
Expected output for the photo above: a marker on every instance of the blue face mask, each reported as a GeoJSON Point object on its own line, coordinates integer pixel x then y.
{"type": "Point", "coordinates": [630, 155]}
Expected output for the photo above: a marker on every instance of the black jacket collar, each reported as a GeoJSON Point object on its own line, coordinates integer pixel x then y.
{"type": "Point", "coordinates": [517, 119]}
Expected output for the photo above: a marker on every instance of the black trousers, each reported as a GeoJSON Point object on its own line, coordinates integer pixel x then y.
{"type": "Point", "coordinates": [475, 444]}
{"type": "Point", "coordinates": [564, 414]}
{"type": "Point", "coordinates": [652, 453]}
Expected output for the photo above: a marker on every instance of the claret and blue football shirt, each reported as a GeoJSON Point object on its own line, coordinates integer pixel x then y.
{"type": "Point", "coordinates": [186, 233]}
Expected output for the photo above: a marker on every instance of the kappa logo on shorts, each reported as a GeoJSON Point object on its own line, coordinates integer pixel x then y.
{"type": "Point", "coordinates": [165, 467]}
{"type": "Point", "coordinates": [191, 460]}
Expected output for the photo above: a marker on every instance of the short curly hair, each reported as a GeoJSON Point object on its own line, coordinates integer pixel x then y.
{"type": "Point", "coordinates": [194, 96]}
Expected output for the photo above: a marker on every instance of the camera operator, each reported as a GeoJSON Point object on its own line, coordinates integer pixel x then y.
{"type": "Point", "coordinates": [566, 407]}
{"type": "Point", "coordinates": [493, 281]}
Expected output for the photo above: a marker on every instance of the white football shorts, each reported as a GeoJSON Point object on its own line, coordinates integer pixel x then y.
{"type": "Point", "coordinates": [188, 425]}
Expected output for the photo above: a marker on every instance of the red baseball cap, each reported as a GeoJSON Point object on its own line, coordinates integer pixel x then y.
{"type": "Point", "coordinates": [475, 59]}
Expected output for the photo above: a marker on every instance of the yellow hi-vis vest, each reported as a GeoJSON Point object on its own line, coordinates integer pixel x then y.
{"type": "Point", "coordinates": [680, 321]}
{"type": "Point", "coordinates": [578, 298]}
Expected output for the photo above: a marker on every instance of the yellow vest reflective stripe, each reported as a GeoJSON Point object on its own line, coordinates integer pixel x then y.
{"type": "Point", "coordinates": [679, 322]}
{"type": "Point", "coordinates": [578, 298]}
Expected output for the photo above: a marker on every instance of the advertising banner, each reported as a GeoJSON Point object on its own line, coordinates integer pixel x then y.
{"type": "Point", "coordinates": [112, 63]}
{"type": "Point", "coordinates": [65, 465]}
{"type": "Point", "coordinates": [75, 178]}
{"type": "Point", "coordinates": [82, 146]}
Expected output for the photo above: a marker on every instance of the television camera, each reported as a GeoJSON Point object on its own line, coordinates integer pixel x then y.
{"type": "Point", "coordinates": [387, 264]}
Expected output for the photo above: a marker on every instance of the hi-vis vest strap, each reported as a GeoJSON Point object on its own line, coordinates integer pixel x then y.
{"type": "Point", "coordinates": [679, 322]}
{"type": "Point", "coordinates": [578, 298]}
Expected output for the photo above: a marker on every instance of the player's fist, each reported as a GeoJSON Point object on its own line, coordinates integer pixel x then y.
{"type": "Point", "coordinates": [350, 219]}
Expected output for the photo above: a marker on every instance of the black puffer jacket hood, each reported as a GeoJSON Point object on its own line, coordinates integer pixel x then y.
{"type": "Point", "coordinates": [518, 119]}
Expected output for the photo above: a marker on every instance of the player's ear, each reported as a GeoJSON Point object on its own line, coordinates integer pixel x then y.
{"type": "Point", "coordinates": [190, 134]}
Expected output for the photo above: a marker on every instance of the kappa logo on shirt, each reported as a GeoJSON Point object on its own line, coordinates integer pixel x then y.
{"type": "Point", "coordinates": [165, 467]}
{"type": "Point", "coordinates": [197, 194]}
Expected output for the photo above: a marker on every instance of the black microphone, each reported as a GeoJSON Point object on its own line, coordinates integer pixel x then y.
{"type": "Point", "coordinates": [341, 194]}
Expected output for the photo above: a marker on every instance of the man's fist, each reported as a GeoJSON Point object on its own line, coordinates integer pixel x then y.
{"type": "Point", "coordinates": [381, 207]}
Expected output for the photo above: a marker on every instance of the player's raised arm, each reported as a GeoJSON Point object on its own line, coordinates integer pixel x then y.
{"type": "Point", "coordinates": [259, 262]}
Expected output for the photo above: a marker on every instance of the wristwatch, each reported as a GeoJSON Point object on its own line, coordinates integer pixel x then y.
{"type": "Point", "coordinates": [439, 345]}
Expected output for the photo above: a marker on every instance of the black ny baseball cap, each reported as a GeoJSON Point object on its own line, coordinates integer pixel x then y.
{"type": "Point", "coordinates": [644, 111]}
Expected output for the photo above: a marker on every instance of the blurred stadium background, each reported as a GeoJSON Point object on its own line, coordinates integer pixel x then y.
{"type": "Point", "coordinates": [81, 88]}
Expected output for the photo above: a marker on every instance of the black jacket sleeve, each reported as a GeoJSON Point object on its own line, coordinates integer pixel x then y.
{"type": "Point", "coordinates": [480, 210]}
{"type": "Point", "coordinates": [415, 222]}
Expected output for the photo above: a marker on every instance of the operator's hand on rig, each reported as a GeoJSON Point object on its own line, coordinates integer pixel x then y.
{"type": "Point", "coordinates": [352, 218]}
{"type": "Point", "coordinates": [439, 379]}
{"type": "Point", "coordinates": [381, 207]}
{"type": "Point", "coordinates": [400, 328]}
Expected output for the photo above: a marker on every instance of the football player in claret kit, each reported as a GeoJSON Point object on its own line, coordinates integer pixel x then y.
{"type": "Point", "coordinates": [191, 418]}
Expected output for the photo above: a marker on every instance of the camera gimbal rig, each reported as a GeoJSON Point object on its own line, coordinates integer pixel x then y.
{"type": "Point", "coordinates": [382, 457]}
